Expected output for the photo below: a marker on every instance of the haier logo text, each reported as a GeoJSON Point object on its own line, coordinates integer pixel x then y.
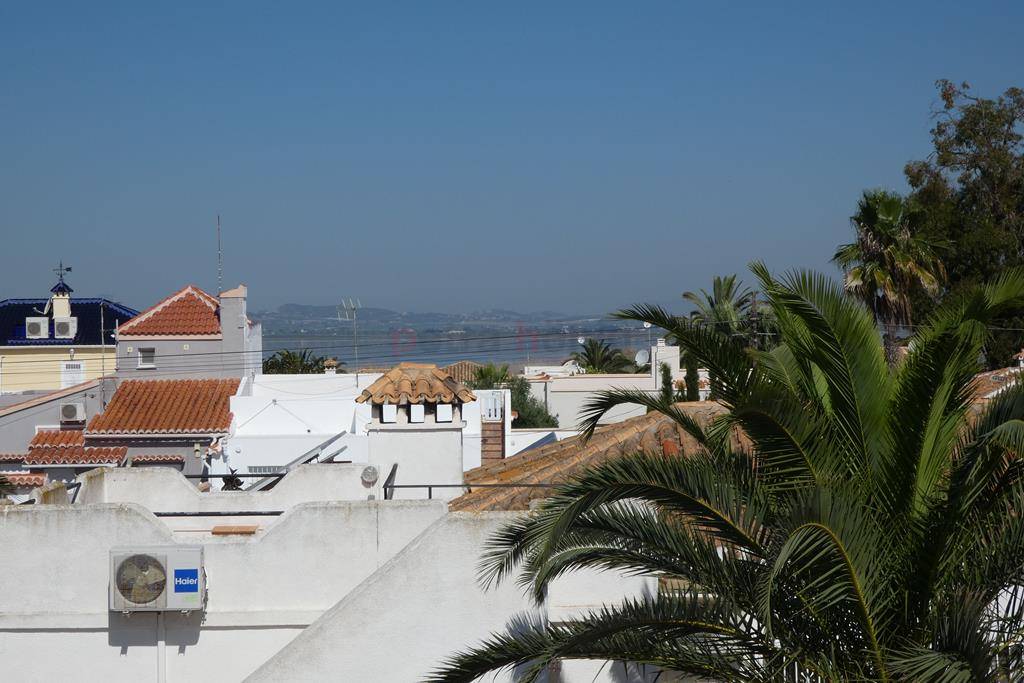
{"type": "Point", "coordinates": [186, 580]}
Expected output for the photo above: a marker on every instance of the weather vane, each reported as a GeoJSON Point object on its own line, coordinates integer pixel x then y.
{"type": "Point", "coordinates": [60, 270]}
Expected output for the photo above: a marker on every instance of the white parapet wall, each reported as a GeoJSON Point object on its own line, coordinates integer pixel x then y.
{"type": "Point", "coordinates": [426, 603]}
{"type": "Point", "coordinates": [263, 590]}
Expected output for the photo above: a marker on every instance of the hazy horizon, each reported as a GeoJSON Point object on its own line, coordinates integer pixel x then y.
{"type": "Point", "coordinates": [452, 158]}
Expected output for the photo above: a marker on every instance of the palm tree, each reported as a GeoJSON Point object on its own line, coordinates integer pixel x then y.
{"type": "Point", "coordinates": [291, 363]}
{"type": "Point", "coordinates": [489, 376]}
{"type": "Point", "coordinates": [727, 308]}
{"type": "Point", "coordinates": [599, 356]}
{"type": "Point", "coordinates": [844, 517]}
{"type": "Point", "coordinates": [890, 259]}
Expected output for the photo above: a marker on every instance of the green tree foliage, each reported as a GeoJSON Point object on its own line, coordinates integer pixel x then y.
{"type": "Point", "coordinates": [489, 376]}
{"type": "Point", "coordinates": [692, 377]}
{"type": "Point", "coordinates": [599, 356]}
{"type": "Point", "coordinates": [531, 413]}
{"type": "Point", "coordinates": [731, 309]}
{"type": "Point", "coordinates": [971, 190]}
{"type": "Point", "coordinates": [869, 530]}
{"type": "Point", "coordinates": [891, 259]}
{"type": "Point", "coordinates": [726, 307]}
{"type": "Point", "coordinates": [292, 363]}
{"type": "Point", "coordinates": [667, 392]}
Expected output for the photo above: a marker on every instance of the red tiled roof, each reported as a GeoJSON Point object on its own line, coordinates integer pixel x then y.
{"type": "Point", "coordinates": [157, 457]}
{"type": "Point", "coordinates": [988, 384]}
{"type": "Point", "coordinates": [557, 462]}
{"type": "Point", "coordinates": [76, 455]}
{"type": "Point", "coordinates": [12, 457]}
{"type": "Point", "coordinates": [167, 406]}
{"type": "Point", "coordinates": [57, 438]}
{"type": "Point", "coordinates": [33, 479]}
{"type": "Point", "coordinates": [189, 311]}
{"type": "Point", "coordinates": [463, 371]}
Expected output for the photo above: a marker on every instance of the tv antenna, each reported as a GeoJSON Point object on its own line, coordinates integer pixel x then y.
{"type": "Point", "coordinates": [347, 310]}
{"type": "Point", "coordinates": [220, 261]}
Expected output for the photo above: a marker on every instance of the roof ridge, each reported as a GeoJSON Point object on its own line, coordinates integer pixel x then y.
{"type": "Point", "coordinates": [187, 290]}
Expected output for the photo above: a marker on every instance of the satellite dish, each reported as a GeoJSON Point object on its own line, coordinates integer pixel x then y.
{"type": "Point", "coordinates": [647, 326]}
{"type": "Point", "coordinates": [642, 357]}
{"type": "Point", "coordinates": [580, 340]}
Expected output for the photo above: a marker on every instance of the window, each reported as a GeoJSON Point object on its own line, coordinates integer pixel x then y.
{"type": "Point", "coordinates": [388, 413]}
{"type": "Point", "coordinates": [147, 357]}
{"type": "Point", "coordinates": [416, 412]}
{"type": "Point", "coordinates": [444, 412]}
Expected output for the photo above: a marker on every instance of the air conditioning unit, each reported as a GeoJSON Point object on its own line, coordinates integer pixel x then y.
{"type": "Point", "coordinates": [72, 412]}
{"type": "Point", "coordinates": [157, 579]}
{"type": "Point", "coordinates": [37, 328]}
{"type": "Point", "coordinates": [65, 328]}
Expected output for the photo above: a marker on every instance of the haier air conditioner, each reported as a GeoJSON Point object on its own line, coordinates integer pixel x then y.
{"type": "Point", "coordinates": [72, 412]}
{"type": "Point", "coordinates": [37, 328]}
{"type": "Point", "coordinates": [157, 579]}
{"type": "Point", "coordinates": [65, 328]}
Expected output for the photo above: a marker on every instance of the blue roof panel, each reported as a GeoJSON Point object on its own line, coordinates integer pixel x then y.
{"type": "Point", "coordinates": [14, 311]}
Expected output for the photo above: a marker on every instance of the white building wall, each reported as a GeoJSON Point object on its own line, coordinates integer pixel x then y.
{"type": "Point", "coordinates": [435, 607]}
{"type": "Point", "coordinates": [424, 455]}
{"type": "Point", "coordinates": [263, 590]}
{"type": "Point", "coordinates": [565, 396]}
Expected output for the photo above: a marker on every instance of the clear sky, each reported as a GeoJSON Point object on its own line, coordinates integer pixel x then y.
{"type": "Point", "coordinates": [457, 156]}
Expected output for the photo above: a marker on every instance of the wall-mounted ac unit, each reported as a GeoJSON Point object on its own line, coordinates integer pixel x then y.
{"type": "Point", "coordinates": [156, 579]}
{"type": "Point", "coordinates": [65, 328]}
{"type": "Point", "coordinates": [72, 412]}
{"type": "Point", "coordinates": [37, 328]}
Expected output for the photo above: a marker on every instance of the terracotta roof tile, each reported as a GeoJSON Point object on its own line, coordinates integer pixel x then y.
{"type": "Point", "coordinates": [12, 457]}
{"type": "Point", "coordinates": [189, 311]}
{"type": "Point", "coordinates": [57, 438]}
{"type": "Point", "coordinates": [464, 371]}
{"type": "Point", "coordinates": [556, 462]}
{"type": "Point", "coordinates": [168, 458]}
{"type": "Point", "coordinates": [415, 383]}
{"type": "Point", "coordinates": [988, 384]}
{"type": "Point", "coordinates": [33, 479]}
{"type": "Point", "coordinates": [169, 406]}
{"type": "Point", "coordinates": [76, 455]}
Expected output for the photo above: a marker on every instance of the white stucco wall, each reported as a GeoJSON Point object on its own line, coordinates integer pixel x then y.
{"type": "Point", "coordinates": [425, 455]}
{"type": "Point", "coordinates": [263, 590]}
{"type": "Point", "coordinates": [565, 396]}
{"type": "Point", "coordinates": [426, 604]}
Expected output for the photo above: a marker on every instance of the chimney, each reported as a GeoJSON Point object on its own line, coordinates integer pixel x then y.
{"type": "Point", "coordinates": [60, 298]}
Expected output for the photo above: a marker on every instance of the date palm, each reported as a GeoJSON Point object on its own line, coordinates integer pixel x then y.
{"type": "Point", "coordinates": [889, 260]}
{"type": "Point", "coordinates": [294, 363]}
{"type": "Point", "coordinates": [489, 376]}
{"type": "Point", "coordinates": [598, 356]}
{"type": "Point", "coordinates": [845, 518]}
{"type": "Point", "coordinates": [727, 307]}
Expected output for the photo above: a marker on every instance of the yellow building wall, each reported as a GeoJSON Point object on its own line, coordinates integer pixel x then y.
{"type": "Point", "coordinates": [35, 368]}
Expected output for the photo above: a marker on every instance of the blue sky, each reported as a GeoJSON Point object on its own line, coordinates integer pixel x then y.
{"type": "Point", "coordinates": [457, 156]}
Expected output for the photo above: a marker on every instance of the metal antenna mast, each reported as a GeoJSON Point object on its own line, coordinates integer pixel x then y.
{"type": "Point", "coordinates": [220, 260]}
{"type": "Point", "coordinates": [347, 311]}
